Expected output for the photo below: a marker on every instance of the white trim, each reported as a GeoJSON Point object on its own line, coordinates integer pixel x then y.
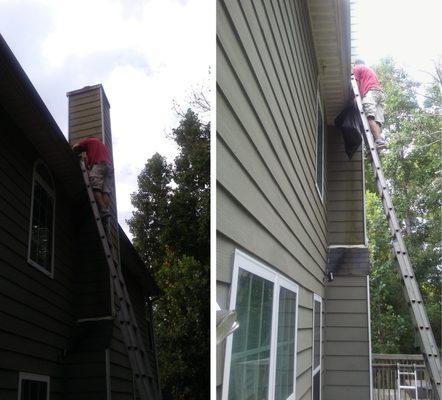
{"type": "Point", "coordinates": [319, 368]}
{"type": "Point", "coordinates": [347, 246]}
{"type": "Point", "coordinates": [273, 344]}
{"type": "Point", "coordinates": [249, 264]}
{"type": "Point", "coordinates": [319, 106]}
{"type": "Point", "coordinates": [51, 192]}
{"type": "Point", "coordinates": [34, 377]}
{"type": "Point", "coordinates": [369, 337]}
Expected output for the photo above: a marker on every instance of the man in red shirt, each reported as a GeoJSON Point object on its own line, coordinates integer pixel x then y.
{"type": "Point", "coordinates": [373, 99]}
{"type": "Point", "coordinates": [100, 171]}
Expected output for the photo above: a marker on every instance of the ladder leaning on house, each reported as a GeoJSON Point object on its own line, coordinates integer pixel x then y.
{"type": "Point", "coordinates": [129, 327]}
{"type": "Point", "coordinates": [411, 288]}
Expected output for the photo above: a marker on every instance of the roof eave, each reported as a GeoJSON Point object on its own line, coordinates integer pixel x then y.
{"type": "Point", "coordinates": [330, 21]}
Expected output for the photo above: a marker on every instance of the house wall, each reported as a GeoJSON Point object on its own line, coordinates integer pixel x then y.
{"type": "Point", "coordinates": [267, 202]}
{"type": "Point", "coordinates": [37, 313]}
{"type": "Point", "coordinates": [347, 345]}
{"type": "Point", "coordinates": [347, 365]}
{"type": "Point", "coordinates": [346, 219]}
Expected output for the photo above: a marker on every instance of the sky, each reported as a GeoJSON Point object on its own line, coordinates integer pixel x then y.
{"type": "Point", "coordinates": [408, 30]}
{"type": "Point", "coordinates": [150, 53]}
{"type": "Point", "coordinates": [146, 53]}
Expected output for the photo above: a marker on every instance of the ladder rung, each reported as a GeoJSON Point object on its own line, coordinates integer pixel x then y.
{"type": "Point", "coordinates": [411, 288]}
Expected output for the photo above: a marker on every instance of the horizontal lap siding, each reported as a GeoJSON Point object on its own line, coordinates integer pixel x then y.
{"type": "Point", "coordinates": [36, 312]}
{"type": "Point", "coordinates": [85, 119]}
{"type": "Point", "coordinates": [347, 346]}
{"type": "Point", "coordinates": [267, 201]}
{"type": "Point", "coordinates": [346, 224]}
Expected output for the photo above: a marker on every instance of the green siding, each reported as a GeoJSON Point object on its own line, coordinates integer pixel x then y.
{"type": "Point", "coordinates": [346, 224]}
{"type": "Point", "coordinates": [347, 334]}
{"type": "Point", "coordinates": [267, 201]}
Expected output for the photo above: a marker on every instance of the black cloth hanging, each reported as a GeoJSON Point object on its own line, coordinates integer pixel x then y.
{"type": "Point", "coordinates": [350, 123]}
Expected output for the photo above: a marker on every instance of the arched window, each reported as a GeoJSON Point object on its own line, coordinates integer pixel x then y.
{"type": "Point", "coordinates": [41, 231]}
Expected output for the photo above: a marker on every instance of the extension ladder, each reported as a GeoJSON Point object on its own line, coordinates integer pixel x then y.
{"type": "Point", "coordinates": [129, 327]}
{"type": "Point", "coordinates": [411, 288]}
{"type": "Point", "coordinates": [407, 374]}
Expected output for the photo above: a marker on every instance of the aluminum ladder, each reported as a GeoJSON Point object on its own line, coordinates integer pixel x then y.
{"type": "Point", "coordinates": [406, 373]}
{"type": "Point", "coordinates": [137, 354]}
{"type": "Point", "coordinates": [411, 289]}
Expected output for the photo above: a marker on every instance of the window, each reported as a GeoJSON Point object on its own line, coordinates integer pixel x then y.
{"type": "Point", "coordinates": [317, 345]}
{"type": "Point", "coordinates": [41, 231]}
{"type": "Point", "coordinates": [261, 353]}
{"type": "Point", "coordinates": [320, 147]}
{"type": "Point", "coordinates": [33, 386]}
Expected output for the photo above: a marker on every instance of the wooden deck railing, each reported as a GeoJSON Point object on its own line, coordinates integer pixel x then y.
{"type": "Point", "coordinates": [385, 377]}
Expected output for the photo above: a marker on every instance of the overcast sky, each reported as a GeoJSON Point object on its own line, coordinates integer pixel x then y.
{"type": "Point", "coordinates": [408, 30]}
{"type": "Point", "coordinates": [145, 53]}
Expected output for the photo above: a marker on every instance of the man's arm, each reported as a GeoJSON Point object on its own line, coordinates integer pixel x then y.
{"type": "Point", "coordinates": [80, 146]}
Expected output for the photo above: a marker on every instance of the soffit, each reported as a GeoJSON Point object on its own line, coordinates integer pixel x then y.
{"type": "Point", "coordinates": [330, 21]}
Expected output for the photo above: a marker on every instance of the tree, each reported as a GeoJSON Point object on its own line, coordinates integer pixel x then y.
{"type": "Point", "coordinates": [171, 228]}
{"type": "Point", "coordinates": [412, 167]}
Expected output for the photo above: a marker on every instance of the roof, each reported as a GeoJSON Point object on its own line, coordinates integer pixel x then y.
{"type": "Point", "coordinates": [20, 100]}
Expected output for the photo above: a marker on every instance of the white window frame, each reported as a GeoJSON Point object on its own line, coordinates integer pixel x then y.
{"type": "Point", "coordinates": [51, 192]}
{"type": "Point", "coordinates": [319, 107]}
{"type": "Point", "coordinates": [34, 377]}
{"type": "Point", "coordinates": [247, 263]}
{"type": "Point", "coordinates": [318, 369]}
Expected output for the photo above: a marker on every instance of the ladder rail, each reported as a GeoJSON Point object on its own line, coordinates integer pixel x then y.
{"type": "Point", "coordinates": [411, 288]}
{"type": "Point", "coordinates": [126, 316]}
{"type": "Point", "coordinates": [406, 373]}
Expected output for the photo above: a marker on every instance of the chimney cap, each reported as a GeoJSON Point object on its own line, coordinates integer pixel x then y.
{"type": "Point", "coordinates": [88, 89]}
{"type": "Point", "coordinates": [84, 89]}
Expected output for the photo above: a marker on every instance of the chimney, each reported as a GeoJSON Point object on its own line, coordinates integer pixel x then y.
{"type": "Point", "coordinates": [89, 116]}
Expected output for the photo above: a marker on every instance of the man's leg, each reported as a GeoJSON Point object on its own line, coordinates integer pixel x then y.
{"type": "Point", "coordinates": [99, 198]}
{"type": "Point", "coordinates": [375, 128]}
{"type": "Point", "coordinates": [106, 201]}
{"type": "Point", "coordinates": [96, 177]}
{"type": "Point", "coordinates": [107, 186]}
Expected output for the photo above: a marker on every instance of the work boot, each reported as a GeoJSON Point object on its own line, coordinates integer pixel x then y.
{"type": "Point", "coordinates": [105, 213]}
{"type": "Point", "coordinates": [380, 144]}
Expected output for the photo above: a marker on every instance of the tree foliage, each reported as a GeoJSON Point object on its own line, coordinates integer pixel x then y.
{"type": "Point", "coordinates": [171, 229]}
{"type": "Point", "coordinates": [412, 167]}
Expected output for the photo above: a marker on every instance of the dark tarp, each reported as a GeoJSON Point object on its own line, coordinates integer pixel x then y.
{"type": "Point", "coordinates": [350, 124]}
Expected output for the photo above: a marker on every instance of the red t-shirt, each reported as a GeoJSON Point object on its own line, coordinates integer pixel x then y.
{"type": "Point", "coordinates": [96, 151]}
{"type": "Point", "coordinates": [366, 79]}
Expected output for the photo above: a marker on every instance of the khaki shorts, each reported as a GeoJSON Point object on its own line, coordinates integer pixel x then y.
{"type": "Point", "coordinates": [101, 177]}
{"type": "Point", "coordinates": [373, 103]}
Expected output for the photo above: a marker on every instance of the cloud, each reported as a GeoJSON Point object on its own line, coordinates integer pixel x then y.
{"type": "Point", "coordinates": [145, 53]}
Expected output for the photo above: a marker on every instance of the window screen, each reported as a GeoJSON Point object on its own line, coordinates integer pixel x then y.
{"type": "Point", "coordinates": [316, 386]}
{"type": "Point", "coordinates": [261, 353]}
{"type": "Point", "coordinates": [285, 354]}
{"type": "Point", "coordinates": [317, 327]}
{"type": "Point", "coordinates": [42, 220]}
{"type": "Point", "coordinates": [31, 389]}
{"type": "Point", "coordinates": [317, 333]}
{"type": "Point", "coordinates": [249, 372]}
